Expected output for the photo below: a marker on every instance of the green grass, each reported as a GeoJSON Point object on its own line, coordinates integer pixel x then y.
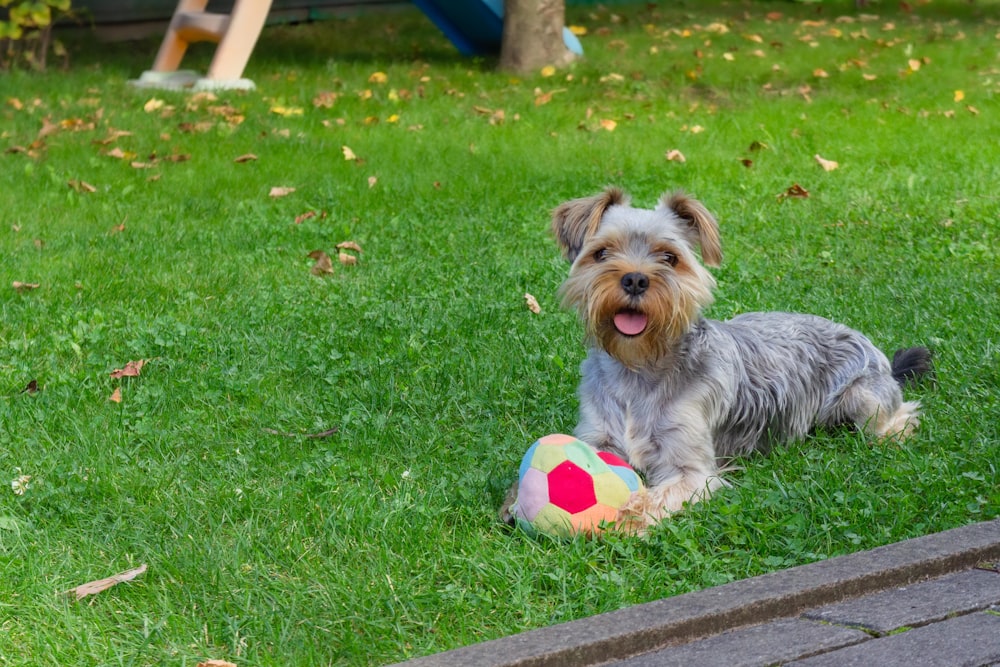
{"type": "Point", "coordinates": [380, 542]}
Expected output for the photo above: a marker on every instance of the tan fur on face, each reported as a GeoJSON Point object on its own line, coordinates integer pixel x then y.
{"type": "Point", "coordinates": [673, 301]}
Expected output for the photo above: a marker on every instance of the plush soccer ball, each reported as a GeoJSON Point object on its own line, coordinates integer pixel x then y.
{"type": "Point", "coordinates": [566, 487]}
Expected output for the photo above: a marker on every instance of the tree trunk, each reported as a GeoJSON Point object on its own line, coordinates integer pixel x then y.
{"type": "Point", "coordinates": [533, 35]}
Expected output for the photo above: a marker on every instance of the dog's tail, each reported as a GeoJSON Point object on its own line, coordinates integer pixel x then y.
{"type": "Point", "coordinates": [911, 363]}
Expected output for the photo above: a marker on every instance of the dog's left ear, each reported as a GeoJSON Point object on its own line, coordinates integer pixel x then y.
{"type": "Point", "coordinates": [575, 221]}
{"type": "Point", "coordinates": [702, 229]}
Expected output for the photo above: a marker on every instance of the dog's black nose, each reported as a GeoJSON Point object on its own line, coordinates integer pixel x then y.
{"type": "Point", "coordinates": [635, 283]}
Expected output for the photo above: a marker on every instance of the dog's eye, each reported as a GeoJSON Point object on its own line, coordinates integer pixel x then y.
{"type": "Point", "coordinates": [601, 255]}
{"type": "Point", "coordinates": [669, 258]}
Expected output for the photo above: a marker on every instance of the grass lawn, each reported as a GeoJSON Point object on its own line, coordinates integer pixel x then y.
{"type": "Point", "coordinates": [377, 542]}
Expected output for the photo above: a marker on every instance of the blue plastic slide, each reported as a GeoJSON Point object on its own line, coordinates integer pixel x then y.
{"type": "Point", "coordinates": [475, 27]}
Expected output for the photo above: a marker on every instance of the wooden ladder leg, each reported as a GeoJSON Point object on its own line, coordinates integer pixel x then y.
{"type": "Point", "coordinates": [233, 53]}
{"type": "Point", "coordinates": [171, 52]}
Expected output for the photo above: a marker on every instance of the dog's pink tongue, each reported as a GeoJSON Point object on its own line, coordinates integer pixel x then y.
{"type": "Point", "coordinates": [630, 323]}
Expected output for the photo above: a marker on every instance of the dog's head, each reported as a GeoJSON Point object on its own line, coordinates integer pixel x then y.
{"type": "Point", "coordinates": [635, 278]}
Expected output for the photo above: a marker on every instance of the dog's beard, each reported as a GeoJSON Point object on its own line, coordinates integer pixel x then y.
{"type": "Point", "coordinates": [637, 331]}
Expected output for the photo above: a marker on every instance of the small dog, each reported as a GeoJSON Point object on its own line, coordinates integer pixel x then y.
{"type": "Point", "coordinates": [675, 393]}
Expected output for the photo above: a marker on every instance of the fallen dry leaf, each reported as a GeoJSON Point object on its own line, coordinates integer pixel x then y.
{"type": "Point", "coordinates": [216, 663]}
{"type": "Point", "coordinates": [608, 124]}
{"type": "Point", "coordinates": [48, 127]}
{"type": "Point", "coordinates": [95, 587]}
{"type": "Point", "coordinates": [200, 126]}
{"type": "Point", "coordinates": [131, 370]}
{"type": "Point", "coordinates": [246, 157]}
{"type": "Point", "coordinates": [348, 153]}
{"type": "Point", "coordinates": [548, 71]}
{"type": "Point", "coordinates": [116, 395]}
{"type": "Point", "coordinates": [828, 165]}
{"type": "Point", "coordinates": [286, 111]}
{"type": "Point", "coordinates": [324, 99]}
{"type": "Point", "coordinates": [959, 95]}
{"type": "Point", "coordinates": [24, 287]}
{"type": "Point", "coordinates": [532, 303]}
{"type": "Point", "coordinates": [795, 191]}
{"type": "Point", "coordinates": [378, 77]}
{"type": "Point", "coordinates": [349, 245]}
{"type": "Point", "coordinates": [323, 263]}
{"type": "Point", "coordinates": [675, 155]}
{"type": "Point", "coordinates": [81, 186]}
{"type": "Point", "coordinates": [347, 259]}
{"type": "Point", "coordinates": [372, 180]}
{"type": "Point", "coordinates": [280, 191]}
{"type": "Point", "coordinates": [31, 387]}
{"type": "Point", "coordinates": [302, 217]}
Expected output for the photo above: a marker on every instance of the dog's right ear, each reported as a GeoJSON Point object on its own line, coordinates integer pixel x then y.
{"type": "Point", "coordinates": [575, 221]}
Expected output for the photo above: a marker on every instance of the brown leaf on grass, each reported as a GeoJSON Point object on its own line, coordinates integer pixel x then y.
{"type": "Point", "coordinates": [348, 153]}
{"type": "Point", "coordinates": [795, 191]}
{"type": "Point", "coordinates": [31, 387]}
{"type": "Point", "coordinates": [201, 126]}
{"type": "Point", "coordinates": [280, 191]}
{"type": "Point", "coordinates": [24, 287]}
{"type": "Point", "coordinates": [116, 395]}
{"type": "Point", "coordinates": [77, 125]}
{"type": "Point", "coordinates": [177, 157]}
{"type": "Point", "coordinates": [674, 155]}
{"type": "Point", "coordinates": [81, 186]}
{"type": "Point", "coordinates": [746, 162]}
{"type": "Point", "coordinates": [246, 157]}
{"type": "Point", "coordinates": [113, 136]}
{"type": "Point", "coordinates": [95, 587]}
{"type": "Point", "coordinates": [828, 165]}
{"type": "Point", "coordinates": [347, 259]}
{"type": "Point", "coordinates": [372, 180]}
{"type": "Point", "coordinates": [302, 217]}
{"type": "Point", "coordinates": [608, 124]}
{"type": "Point", "coordinates": [48, 127]}
{"type": "Point", "coordinates": [323, 263]}
{"type": "Point", "coordinates": [216, 663]}
{"type": "Point", "coordinates": [349, 245]}
{"type": "Point", "coordinates": [532, 303]}
{"type": "Point", "coordinates": [131, 370]}
{"type": "Point", "coordinates": [324, 99]}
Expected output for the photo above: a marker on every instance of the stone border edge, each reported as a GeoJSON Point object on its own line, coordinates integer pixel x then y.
{"type": "Point", "coordinates": [677, 620]}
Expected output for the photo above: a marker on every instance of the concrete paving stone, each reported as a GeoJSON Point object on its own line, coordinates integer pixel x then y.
{"type": "Point", "coordinates": [916, 604]}
{"type": "Point", "coordinates": [971, 640]}
{"type": "Point", "coordinates": [767, 644]}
